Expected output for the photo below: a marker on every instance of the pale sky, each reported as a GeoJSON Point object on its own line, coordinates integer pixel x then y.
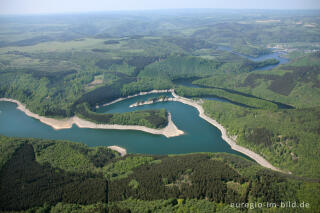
{"type": "Point", "coordinates": [75, 6]}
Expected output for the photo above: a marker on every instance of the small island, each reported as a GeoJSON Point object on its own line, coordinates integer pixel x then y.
{"type": "Point", "coordinates": [153, 101]}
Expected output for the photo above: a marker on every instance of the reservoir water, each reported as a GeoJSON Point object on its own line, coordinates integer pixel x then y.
{"type": "Point", "coordinates": [200, 136]}
{"type": "Point", "coordinates": [273, 55]}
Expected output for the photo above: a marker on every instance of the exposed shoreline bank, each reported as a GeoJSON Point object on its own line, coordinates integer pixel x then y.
{"type": "Point", "coordinates": [135, 95]}
{"type": "Point", "coordinates": [151, 102]}
{"type": "Point", "coordinates": [120, 150]}
{"type": "Point", "coordinates": [258, 158]}
{"type": "Point", "coordinates": [171, 130]}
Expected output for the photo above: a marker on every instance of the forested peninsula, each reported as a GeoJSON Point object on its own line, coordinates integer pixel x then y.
{"type": "Point", "coordinates": [253, 74]}
{"type": "Point", "coordinates": [102, 121]}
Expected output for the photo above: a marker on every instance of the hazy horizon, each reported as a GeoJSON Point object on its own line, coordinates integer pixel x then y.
{"type": "Point", "coordinates": [20, 7]}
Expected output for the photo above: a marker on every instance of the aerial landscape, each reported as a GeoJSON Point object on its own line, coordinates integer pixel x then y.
{"type": "Point", "coordinates": [186, 107]}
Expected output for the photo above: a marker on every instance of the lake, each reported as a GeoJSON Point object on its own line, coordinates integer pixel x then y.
{"type": "Point", "coordinates": [273, 55]}
{"type": "Point", "coordinates": [200, 136]}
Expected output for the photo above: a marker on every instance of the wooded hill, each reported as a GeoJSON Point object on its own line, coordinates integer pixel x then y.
{"type": "Point", "coordinates": [53, 176]}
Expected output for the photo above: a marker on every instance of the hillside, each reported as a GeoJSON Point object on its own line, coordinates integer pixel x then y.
{"type": "Point", "coordinates": [256, 72]}
{"type": "Point", "coordinates": [98, 179]}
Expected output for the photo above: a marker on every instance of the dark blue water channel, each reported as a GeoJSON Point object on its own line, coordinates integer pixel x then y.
{"type": "Point", "coordinates": [200, 136]}
{"type": "Point", "coordinates": [273, 55]}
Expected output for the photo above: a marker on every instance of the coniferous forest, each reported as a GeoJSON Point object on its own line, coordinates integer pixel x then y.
{"type": "Point", "coordinates": [256, 72]}
{"type": "Point", "coordinates": [45, 176]}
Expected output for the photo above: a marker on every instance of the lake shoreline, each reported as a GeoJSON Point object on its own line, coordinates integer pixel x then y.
{"type": "Point", "coordinates": [151, 102]}
{"type": "Point", "coordinates": [171, 130]}
{"type": "Point", "coordinates": [231, 141]}
{"type": "Point", "coordinates": [120, 150]}
{"type": "Point", "coordinates": [135, 95]}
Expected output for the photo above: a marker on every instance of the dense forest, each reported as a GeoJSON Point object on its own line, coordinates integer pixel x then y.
{"type": "Point", "coordinates": [288, 138]}
{"type": "Point", "coordinates": [150, 118]}
{"type": "Point", "coordinates": [52, 176]}
{"type": "Point", "coordinates": [55, 68]}
{"type": "Point", "coordinates": [66, 65]}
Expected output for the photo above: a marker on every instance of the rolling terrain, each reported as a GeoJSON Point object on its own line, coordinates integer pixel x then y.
{"type": "Point", "coordinates": [62, 66]}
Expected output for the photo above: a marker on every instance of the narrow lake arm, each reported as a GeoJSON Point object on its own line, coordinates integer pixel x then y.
{"type": "Point", "coordinates": [231, 141]}
{"type": "Point", "coordinates": [258, 158]}
{"type": "Point", "coordinates": [170, 130]}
